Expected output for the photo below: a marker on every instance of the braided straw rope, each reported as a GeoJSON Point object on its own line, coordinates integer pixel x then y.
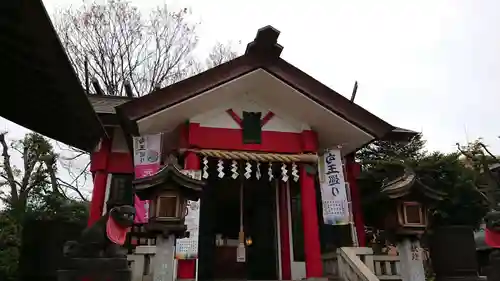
{"type": "Point", "coordinates": [253, 156]}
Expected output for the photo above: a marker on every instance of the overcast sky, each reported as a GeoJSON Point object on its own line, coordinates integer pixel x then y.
{"type": "Point", "coordinates": [430, 66]}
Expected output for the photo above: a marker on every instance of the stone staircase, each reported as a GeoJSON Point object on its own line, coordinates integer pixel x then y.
{"type": "Point", "coordinates": [346, 264]}
{"type": "Point", "coordinates": [360, 264]}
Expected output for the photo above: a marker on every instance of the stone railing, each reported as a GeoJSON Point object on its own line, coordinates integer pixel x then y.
{"type": "Point", "coordinates": [141, 262]}
{"type": "Point", "coordinates": [359, 264]}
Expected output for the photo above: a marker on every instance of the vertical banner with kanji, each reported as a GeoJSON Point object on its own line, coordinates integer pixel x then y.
{"type": "Point", "coordinates": [147, 156]}
{"type": "Point", "coordinates": [333, 188]}
{"type": "Point", "coordinates": [187, 248]}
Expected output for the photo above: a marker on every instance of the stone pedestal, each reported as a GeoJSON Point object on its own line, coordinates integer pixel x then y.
{"type": "Point", "coordinates": [453, 253]}
{"type": "Point", "coordinates": [412, 265]}
{"type": "Point", "coordinates": [494, 273]}
{"type": "Point", "coordinates": [163, 269]}
{"type": "Point", "coordinates": [95, 269]}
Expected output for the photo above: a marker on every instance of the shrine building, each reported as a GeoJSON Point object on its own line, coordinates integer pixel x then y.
{"type": "Point", "coordinates": [252, 128]}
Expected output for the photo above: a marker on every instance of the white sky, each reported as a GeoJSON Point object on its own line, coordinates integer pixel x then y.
{"type": "Point", "coordinates": [431, 66]}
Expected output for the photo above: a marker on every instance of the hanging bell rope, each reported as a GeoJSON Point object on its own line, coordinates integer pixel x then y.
{"type": "Point", "coordinates": [255, 156]}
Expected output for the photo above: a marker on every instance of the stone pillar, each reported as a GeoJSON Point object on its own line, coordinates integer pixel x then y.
{"type": "Point", "coordinates": [312, 247]}
{"type": "Point", "coordinates": [412, 265]}
{"type": "Point", "coordinates": [163, 269]}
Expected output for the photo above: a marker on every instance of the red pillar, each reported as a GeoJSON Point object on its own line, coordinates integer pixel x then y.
{"type": "Point", "coordinates": [353, 169]}
{"type": "Point", "coordinates": [99, 165]}
{"type": "Point", "coordinates": [312, 247]}
{"type": "Point", "coordinates": [286, 270]}
{"type": "Point", "coordinates": [186, 269]}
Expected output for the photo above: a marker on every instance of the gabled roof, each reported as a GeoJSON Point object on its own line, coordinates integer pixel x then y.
{"type": "Point", "coordinates": [40, 88]}
{"type": "Point", "coordinates": [408, 183]}
{"type": "Point", "coordinates": [263, 53]}
{"type": "Point", "coordinates": [106, 104]}
{"type": "Point", "coordinates": [170, 172]}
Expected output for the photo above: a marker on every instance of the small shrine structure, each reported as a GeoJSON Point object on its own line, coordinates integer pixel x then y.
{"type": "Point", "coordinates": [408, 219]}
{"type": "Point", "coordinates": [252, 128]}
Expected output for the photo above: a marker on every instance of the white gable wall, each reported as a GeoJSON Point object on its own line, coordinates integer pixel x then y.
{"type": "Point", "coordinates": [219, 118]}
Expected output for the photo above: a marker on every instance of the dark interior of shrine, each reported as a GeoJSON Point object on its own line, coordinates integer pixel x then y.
{"type": "Point", "coordinates": [220, 220]}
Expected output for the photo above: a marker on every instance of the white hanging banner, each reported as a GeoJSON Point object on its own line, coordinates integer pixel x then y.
{"type": "Point", "coordinates": [147, 156]}
{"type": "Point", "coordinates": [187, 248]}
{"type": "Point", "coordinates": [333, 188]}
{"type": "Point", "coordinates": [147, 152]}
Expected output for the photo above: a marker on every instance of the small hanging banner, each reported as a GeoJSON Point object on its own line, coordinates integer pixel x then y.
{"type": "Point", "coordinates": [241, 253]}
{"type": "Point", "coordinates": [333, 188]}
{"type": "Point", "coordinates": [147, 152]}
{"type": "Point", "coordinates": [187, 248]}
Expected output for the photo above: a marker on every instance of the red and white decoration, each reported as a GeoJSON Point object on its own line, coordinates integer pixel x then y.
{"type": "Point", "coordinates": [147, 157]}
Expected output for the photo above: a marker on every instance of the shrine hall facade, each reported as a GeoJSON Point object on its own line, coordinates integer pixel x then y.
{"type": "Point", "coordinates": [257, 104]}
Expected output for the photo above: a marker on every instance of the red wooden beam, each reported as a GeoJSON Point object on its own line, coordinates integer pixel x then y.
{"type": "Point", "coordinates": [266, 118]}
{"type": "Point", "coordinates": [235, 117]}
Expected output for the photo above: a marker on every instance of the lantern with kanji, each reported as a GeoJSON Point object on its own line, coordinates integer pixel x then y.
{"type": "Point", "coordinates": [168, 192]}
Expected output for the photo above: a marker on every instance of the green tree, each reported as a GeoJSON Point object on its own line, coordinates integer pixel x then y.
{"type": "Point", "coordinates": [32, 191]}
{"type": "Point", "coordinates": [477, 156]}
{"type": "Point", "coordinates": [10, 245]}
{"type": "Point", "coordinates": [36, 178]}
{"type": "Point", "coordinates": [384, 160]}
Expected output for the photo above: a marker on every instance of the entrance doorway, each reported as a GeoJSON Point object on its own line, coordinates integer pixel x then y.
{"type": "Point", "coordinates": [221, 215]}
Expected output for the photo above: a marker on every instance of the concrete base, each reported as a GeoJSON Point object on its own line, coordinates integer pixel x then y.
{"type": "Point", "coordinates": [317, 279]}
{"type": "Point", "coordinates": [494, 274]}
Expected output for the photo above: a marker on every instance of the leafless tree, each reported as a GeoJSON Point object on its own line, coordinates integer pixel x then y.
{"type": "Point", "coordinates": [120, 45]}
{"type": "Point", "coordinates": [220, 54]}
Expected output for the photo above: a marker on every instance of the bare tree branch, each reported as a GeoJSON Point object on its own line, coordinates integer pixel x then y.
{"type": "Point", "coordinates": [68, 185]}
{"type": "Point", "coordinates": [8, 168]}
{"type": "Point", "coordinates": [123, 45]}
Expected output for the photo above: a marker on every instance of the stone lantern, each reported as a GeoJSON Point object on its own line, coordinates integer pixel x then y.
{"type": "Point", "coordinates": [168, 192]}
{"type": "Point", "coordinates": [408, 219]}
{"type": "Point", "coordinates": [410, 200]}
